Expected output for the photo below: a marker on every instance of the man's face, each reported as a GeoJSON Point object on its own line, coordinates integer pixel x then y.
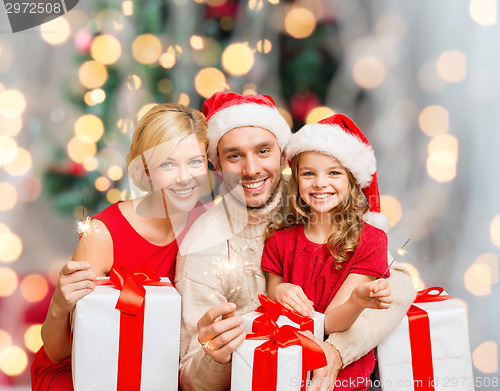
{"type": "Point", "coordinates": [253, 154]}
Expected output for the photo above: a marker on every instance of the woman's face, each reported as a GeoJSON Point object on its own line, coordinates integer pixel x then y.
{"type": "Point", "coordinates": [181, 176]}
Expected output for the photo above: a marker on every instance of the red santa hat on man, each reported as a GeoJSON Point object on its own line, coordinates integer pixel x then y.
{"type": "Point", "coordinates": [227, 110]}
{"type": "Point", "coordinates": [338, 136]}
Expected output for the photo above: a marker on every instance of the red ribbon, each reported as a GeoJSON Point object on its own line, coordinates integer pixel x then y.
{"type": "Point", "coordinates": [131, 306]}
{"type": "Point", "coordinates": [420, 339]}
{"type": "Point", "coordinates": [272, 310]}
{"type": "Point", "coordinates": [265, 363]}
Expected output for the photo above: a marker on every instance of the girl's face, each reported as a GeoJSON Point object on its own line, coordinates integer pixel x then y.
{"type": "Point", "coordinates": [323, 181]}
{"type": "Point", "coordinates": [182, 175]}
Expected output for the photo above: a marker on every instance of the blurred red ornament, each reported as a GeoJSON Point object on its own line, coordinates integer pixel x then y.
{"type": "Point", "coordinates": [76, 169]}
{"type": "Point", "coordinates": [229, 8]}
{"type": "Point", "coordinates": [302, 103]}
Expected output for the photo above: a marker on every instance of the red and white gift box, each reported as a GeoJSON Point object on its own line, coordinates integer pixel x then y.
{"type": "Point", "coordinates": [429, 350]}
{"type": "Point", "coordinates": [283, 316]}
{"type": "Point", "coordinates": [276, 357]}
{"type": "Point", "coordinates": [127, 338]}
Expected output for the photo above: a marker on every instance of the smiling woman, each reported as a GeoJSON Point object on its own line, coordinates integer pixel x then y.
{"type": "Point", "coordinates": [167, 160]}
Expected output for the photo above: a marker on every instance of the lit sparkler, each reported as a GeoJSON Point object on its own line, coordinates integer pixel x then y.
{"type": "Point", "coordinates": [400, 252]}
{"type": "Point", "coordinates": [84, 228]}
{"type": "Point", "coordinates": [230, 269]}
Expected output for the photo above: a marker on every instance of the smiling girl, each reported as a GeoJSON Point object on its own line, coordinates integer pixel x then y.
{"type": "Point", "coordinates": [331, 252]}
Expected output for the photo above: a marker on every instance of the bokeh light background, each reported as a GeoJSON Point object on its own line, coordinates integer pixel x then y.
{"type": "Point", "coordinates": [419, 77]}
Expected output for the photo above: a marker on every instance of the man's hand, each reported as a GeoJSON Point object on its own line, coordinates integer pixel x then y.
{"type": "Point", "coordinates": [220, 332]}
{"type": "Point", "coordinates": [323, 379]}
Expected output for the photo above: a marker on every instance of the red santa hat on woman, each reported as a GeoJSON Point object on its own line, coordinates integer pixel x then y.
{"type": "Point", "coordinates": [338, 136]}
{"type": "Point", "coordinates": [227, 110]}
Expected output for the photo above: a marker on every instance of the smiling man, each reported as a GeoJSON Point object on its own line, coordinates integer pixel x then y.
{"type": "Point", "coordinates": [247, 136]}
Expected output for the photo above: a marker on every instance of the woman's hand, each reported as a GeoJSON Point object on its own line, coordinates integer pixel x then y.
{"type": "Point", "coordinates": [293, 297]}
{"type": "Point", "coordinates": [76, 280]}
{"type": "Point", "coordinates": [374, 294]}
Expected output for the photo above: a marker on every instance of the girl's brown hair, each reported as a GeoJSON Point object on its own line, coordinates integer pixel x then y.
{"type": "Point", "coordinates": [348, 217]}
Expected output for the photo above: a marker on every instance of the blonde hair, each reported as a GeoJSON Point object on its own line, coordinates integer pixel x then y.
{"type": "Point", "coordinates": [348, 216]}
{"type": "Point", "coordinates": [157, 135]}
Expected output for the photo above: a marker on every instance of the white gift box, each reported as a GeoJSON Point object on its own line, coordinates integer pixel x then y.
{"type": "Point", "coordinates": [96, 329]}
{"type": "Point", "coordinates": [289, 376]}
{"type": "Point", "coordinates": [319, 322]}
{"type": "Point", "coordinates": [289, 367]}
{"type": "Point", "coordinates": [449, 340]}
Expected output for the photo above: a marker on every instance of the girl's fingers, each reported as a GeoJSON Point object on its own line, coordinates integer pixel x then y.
{"type": "Point", "coordinates": [290, 307]}
{"type": "Point", "coordinates": [382, 293]}
{"type": "Point", "coordinates": [302, 307]}
{"type": "Point", "coordinates": [305, 301]}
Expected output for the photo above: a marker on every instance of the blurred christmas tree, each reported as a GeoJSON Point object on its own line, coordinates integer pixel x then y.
{"type": "Point", "coordinates": [134, 53]}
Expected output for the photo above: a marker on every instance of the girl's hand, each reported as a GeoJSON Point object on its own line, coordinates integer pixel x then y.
{"type": "Point", "coordinates": [76, 280]}
{"type": "Point", "coordinates": [293, 297]}
{"type": "Point", "coordinates": [374, 294]}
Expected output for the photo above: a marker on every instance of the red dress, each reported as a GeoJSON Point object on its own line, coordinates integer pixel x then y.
{"type": "Point", "coordinates": [130, 251]}
{"type": "Point", "coordinates": [288, 253]}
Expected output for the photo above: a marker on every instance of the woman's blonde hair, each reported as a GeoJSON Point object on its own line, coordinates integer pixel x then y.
{"type": "Point", "coordinates": [348, 216]}
{"type": "Point", "coordinates": [157, 135]}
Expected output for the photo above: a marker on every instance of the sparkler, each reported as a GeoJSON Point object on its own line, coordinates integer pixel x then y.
{"type": "Point", "coordinates": [230, 268]}
{"type": "Point", "coordinates": [400, 252]}
{"type": "Point", "coordinates": [85, 228]}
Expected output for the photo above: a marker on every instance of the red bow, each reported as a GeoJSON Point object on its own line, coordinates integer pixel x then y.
{"type": "Point", "coordinates": [272, 310]}
{"type": "Point", "coordinates": [131, 306]}
{"type": "Point", "coordinates": [265, 367]}
{"type": "Point", "coordinates": [420, 337]}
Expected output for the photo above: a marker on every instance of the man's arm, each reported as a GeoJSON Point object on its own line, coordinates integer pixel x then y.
{"type": "Point", "coordinates": [201, 292]}
{"type": "Point", "coordinates": [373, 325]}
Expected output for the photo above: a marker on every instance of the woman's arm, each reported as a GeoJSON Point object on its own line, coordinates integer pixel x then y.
{"type": "Point", "coordinates": [357, 292]}
{"type": "Point", "coordinates": [93, 257]}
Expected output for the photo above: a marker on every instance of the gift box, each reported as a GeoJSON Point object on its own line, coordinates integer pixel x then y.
{"type": "Point", "coordinates": [276, 357]}
{"type": "Point", "coordinates": [429, 349]}
{"type": "Point", "coordinates": [283, 316]}
{"type": "Point", "coordinates": [127, 339]}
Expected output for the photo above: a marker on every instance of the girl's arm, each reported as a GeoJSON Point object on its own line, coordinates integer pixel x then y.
{"type": "Point", "coordinates": [357, 292]}
{"type": "Point", "coordinates": [93, 257]}
{"type": "Point", "coordinates": [290, 295]}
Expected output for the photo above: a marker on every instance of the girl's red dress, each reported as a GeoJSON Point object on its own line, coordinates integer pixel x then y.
{"type": "Point", "coordinates": [131, 251]}
{"type": "Point", "coordinates": [288, 253]}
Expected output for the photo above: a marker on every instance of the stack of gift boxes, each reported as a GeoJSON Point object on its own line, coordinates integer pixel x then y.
{"type": "Point", "coordinates": [125, 338]}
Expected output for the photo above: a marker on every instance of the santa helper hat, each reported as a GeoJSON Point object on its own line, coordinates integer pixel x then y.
{"type": "Point", "coordinates": [225, 111]}
{"type": "Point", "coordinates": [338, 136]}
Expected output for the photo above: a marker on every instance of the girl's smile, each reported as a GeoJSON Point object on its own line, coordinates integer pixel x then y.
{"type": "Point", "coordinates": [323, 182]}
